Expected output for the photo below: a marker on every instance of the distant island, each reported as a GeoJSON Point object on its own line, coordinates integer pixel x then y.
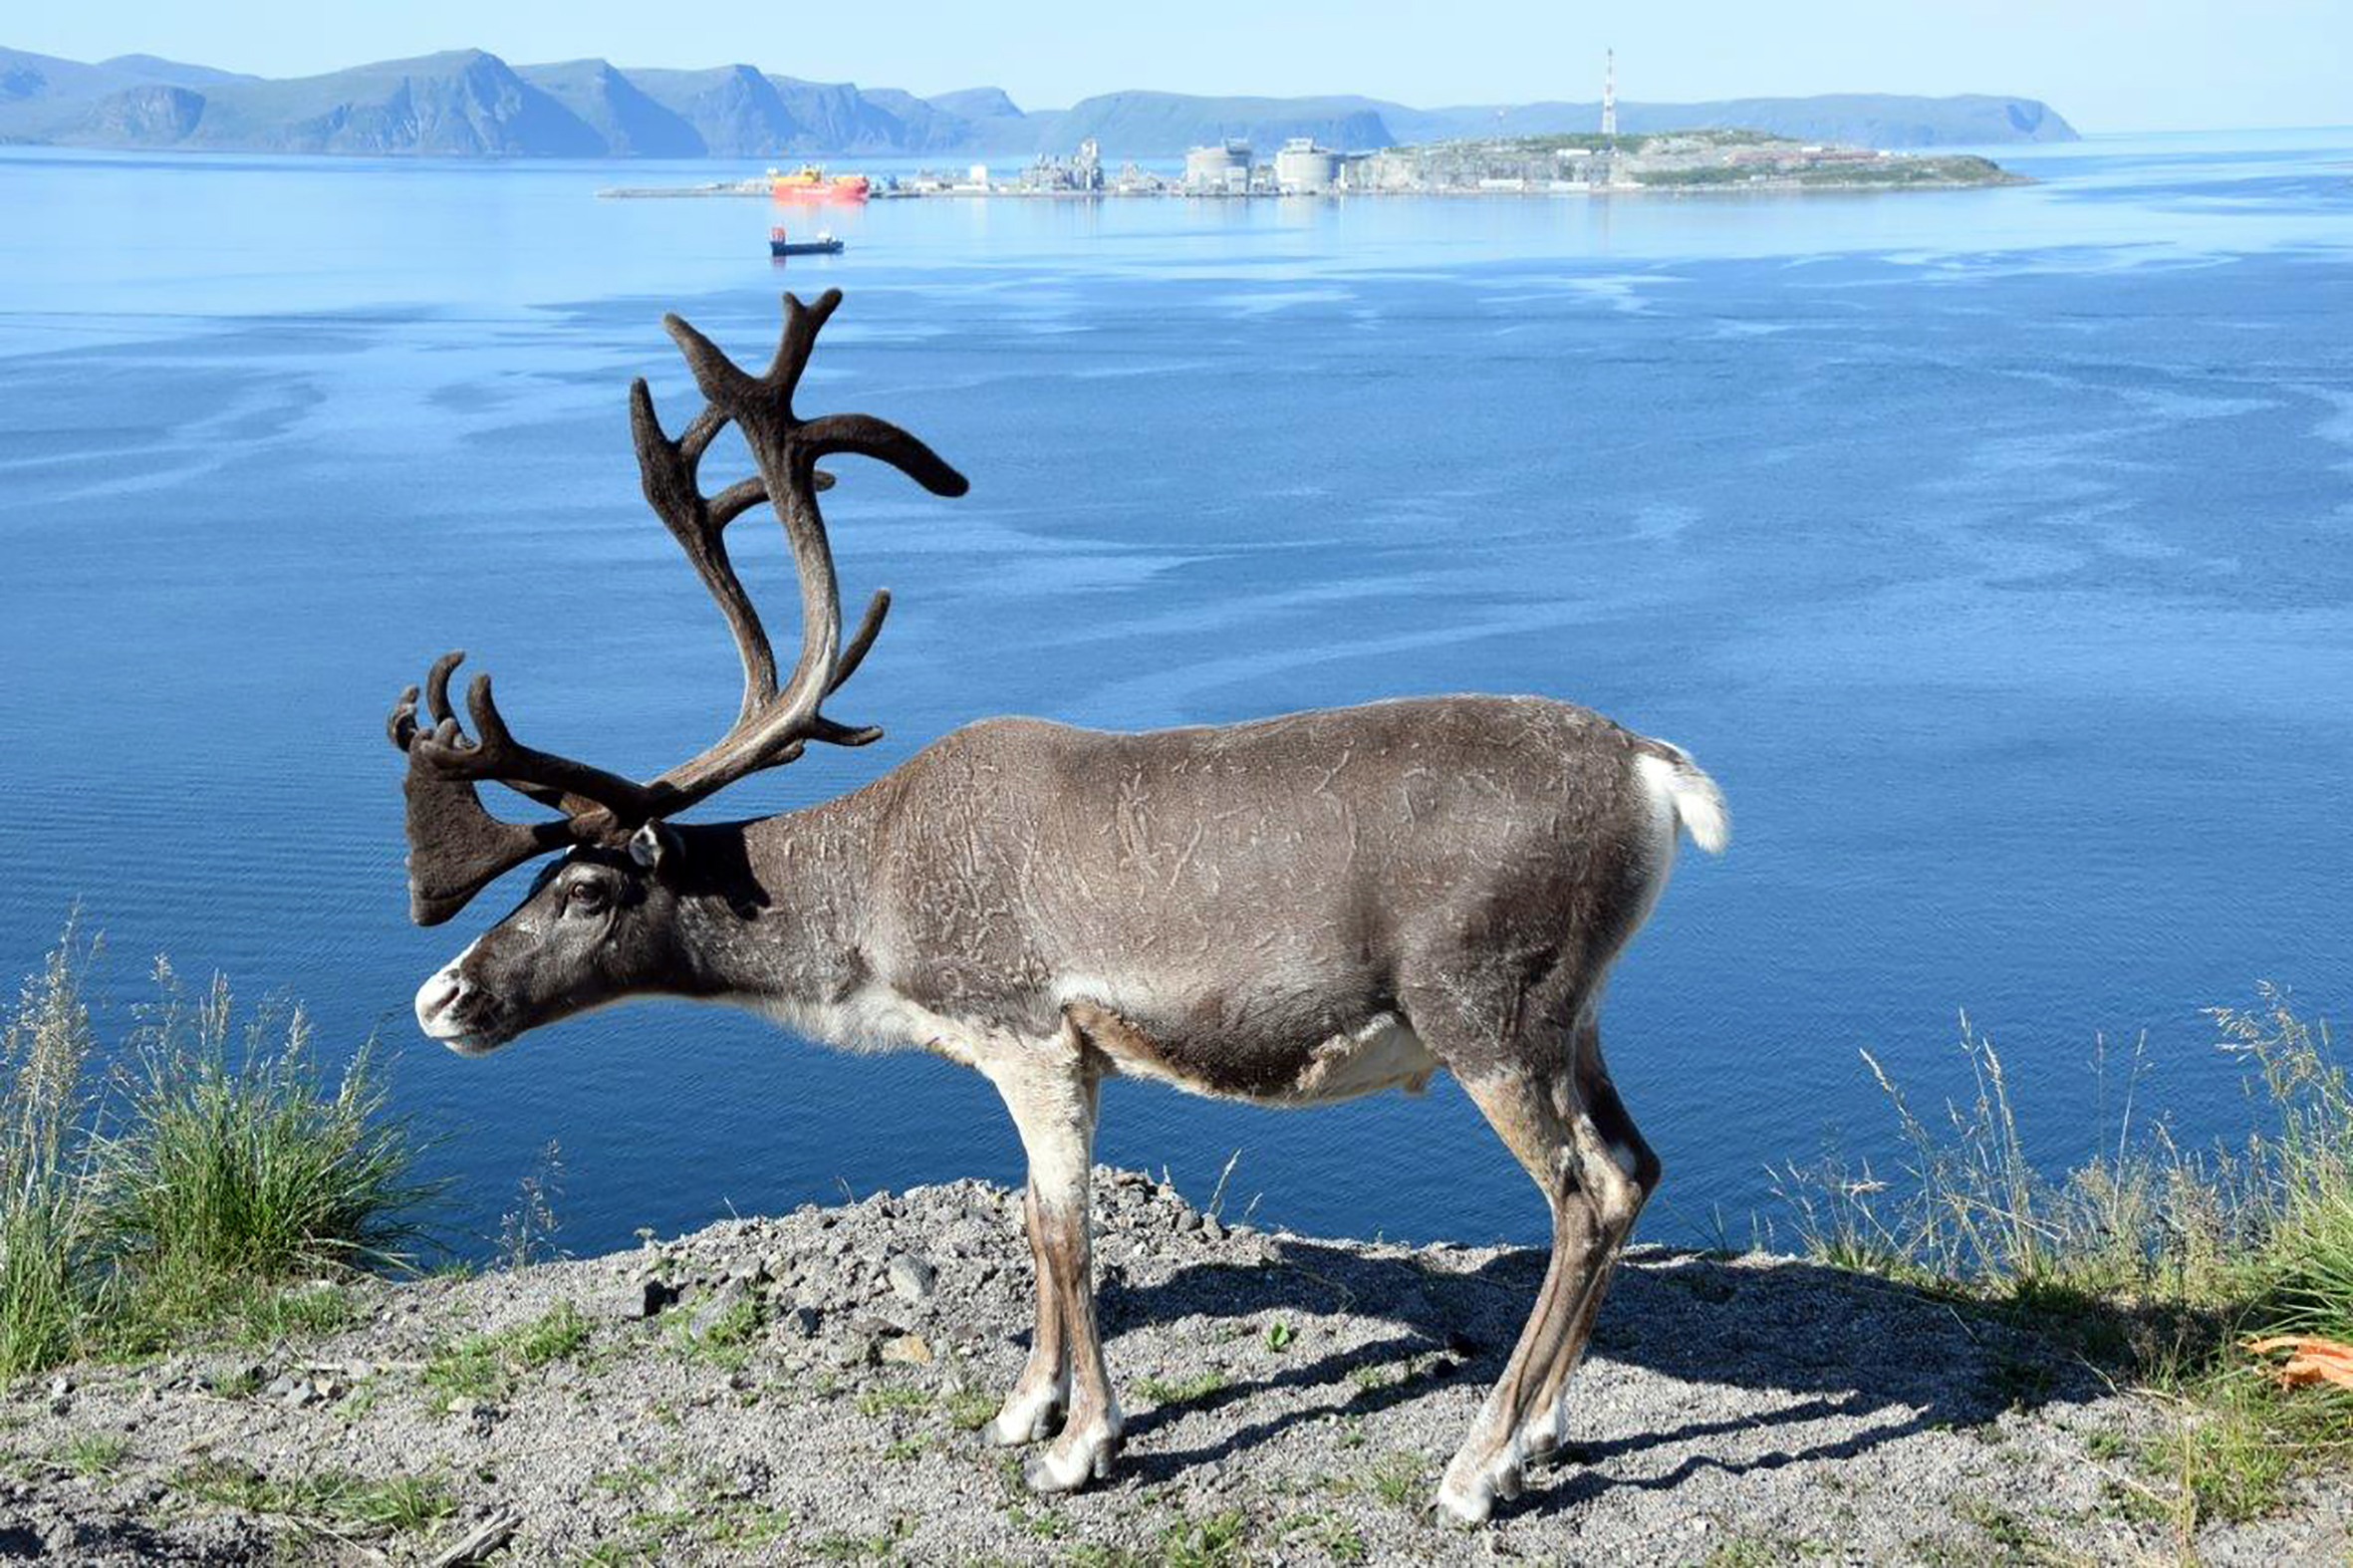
{"type": "Point", "coordinates": [472, 103]}
{"type": "Point", "coordinates": [1673, 161]}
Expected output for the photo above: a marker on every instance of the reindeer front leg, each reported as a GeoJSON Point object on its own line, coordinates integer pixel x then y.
{"type": "Point", "coordinates": [1034, 1409]}
{"type": "Point", "coordinates": [1051, 1092]}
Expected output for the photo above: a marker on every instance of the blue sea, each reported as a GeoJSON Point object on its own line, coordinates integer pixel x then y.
{"type": "Point", "coordinates": [1993, 548]}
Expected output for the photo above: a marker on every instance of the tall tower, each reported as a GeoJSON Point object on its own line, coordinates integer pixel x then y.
{"type": "Point", "coordinates": [1609, 95]}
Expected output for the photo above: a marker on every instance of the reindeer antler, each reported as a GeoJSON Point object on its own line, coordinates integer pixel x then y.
{"type": "Point", "coordinates": [455, 845]}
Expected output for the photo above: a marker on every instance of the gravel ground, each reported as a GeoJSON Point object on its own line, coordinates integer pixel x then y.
{"type": "Point", "coordinates": [807, 1388]}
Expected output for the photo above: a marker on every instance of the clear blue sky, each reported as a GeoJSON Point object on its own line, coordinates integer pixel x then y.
{"type": "Point", "coordinates": [2108, 65]}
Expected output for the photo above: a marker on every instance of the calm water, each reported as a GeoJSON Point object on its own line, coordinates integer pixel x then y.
{"type": "Point", "coordinates": [1991, 547]}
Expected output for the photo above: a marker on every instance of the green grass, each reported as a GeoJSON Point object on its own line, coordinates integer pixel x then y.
{"type": "Point", "coordinates": [1744, 1552]}
{"type": "Point", "coordinates": [333, 1502]}
{"type": "Point", "coordinates": [471, 1368]}
{"type": "Point", "coordinates": [1212, 1542]}
{"type": "Point", "coordinates": [745, 1527]}
{"type": "Point", "coordinates": [1162, 1390]}
{"type": "Point", "coordinates": [630, 1478]}
{"type": "Point", "coordinates": [556, 1334]}
{"type": "Point", "coordinates": [883, 1399]}
{"type": "Point", "coordinates": [709, 1512]}
{"type": "Point", "coordinates": [843, 1546]}
{"type": "Point", "coordinates": [43, 1304]}
{"type": "Point", "coordinates": [1044, 1523]}
{"type": "Point", "coordinates": [971, 1411]}
{"type": "Point", "coordinates": [489, 1367]}
{"type": "Point", "coordinates": [2158, 1263]}
{"type": "Point", "coordinates": [1775, 1551]}
{"type": "Point", "coordinates": [1372, 1375]}
{"type": "Point", "coordinates": [1911, 169]}
{"type": "Point", "coordinates": [1330, 1532]}
{"type": "Point", "coordinates": [1399, 1479]}
{"type": "Point", "coordinates": [237, 1158]}
{"type": "Point", "coordinates": [241, 1383]}
{"type": "Point", "coordinates": [1219, 1541]}
{"type": "Point", "coordinates": [92, 1453]}
{"type": "Point", "coordinates": [46, 1218]}
{"type": "Point", "coordinates": [216, 1164]}
{"type": "Point", "coordinates": [266, 1314]}
{"type": "Point", "coordinates": [1710, 175]}
{"type": "Point", "coordinates": [726, 1342]}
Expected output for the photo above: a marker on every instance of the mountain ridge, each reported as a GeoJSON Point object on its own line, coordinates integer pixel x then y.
{"type": "Point", "coordinates": [469, 103]}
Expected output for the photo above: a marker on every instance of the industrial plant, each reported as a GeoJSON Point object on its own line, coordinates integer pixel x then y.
{"type": "Point", "coordinates": [1605, 162]}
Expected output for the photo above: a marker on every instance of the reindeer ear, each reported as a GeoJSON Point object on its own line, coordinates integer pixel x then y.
{"type": "Point", "coordinates": [653, 844]}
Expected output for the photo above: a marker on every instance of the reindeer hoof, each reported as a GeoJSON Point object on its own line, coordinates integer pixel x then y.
{"type": "Point", "coordinates": [1541, 1441]}
{"type": "Point", "coordinates": [1466, 1505]}
{"type": "Point", "coordinates": [1468, 1496]}
{"type": "Point", "coordinates": [1024, 1419]}
{"type": "Point", "coordinates": [1071, 1463]}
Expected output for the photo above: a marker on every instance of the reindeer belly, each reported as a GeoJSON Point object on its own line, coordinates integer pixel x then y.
{"type": "Point", "coordinates": [1273, 1062]}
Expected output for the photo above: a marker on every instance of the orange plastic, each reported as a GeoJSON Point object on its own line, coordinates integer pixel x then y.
{"type": "Point", "coordinates": [2312, 1360]}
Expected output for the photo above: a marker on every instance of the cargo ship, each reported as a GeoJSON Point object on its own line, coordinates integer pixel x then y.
{"type": "Point", "coordinates": [822, 245]}
{"type": "Point", "coordinates": [809, 182]}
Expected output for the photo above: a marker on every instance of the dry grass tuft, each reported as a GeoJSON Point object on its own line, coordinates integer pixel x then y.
{"type": "Point", "coordinates": [2176, 1271]}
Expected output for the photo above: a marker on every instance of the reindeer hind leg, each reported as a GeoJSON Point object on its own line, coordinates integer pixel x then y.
{"type": "Point", "coordinates": [1530, 1095]}
{"type": "Point", "coordinates": [1627, 1147]}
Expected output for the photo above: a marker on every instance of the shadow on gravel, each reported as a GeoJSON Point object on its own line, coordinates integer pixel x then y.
{"type": "Point", "coordinates": [1793, 1345]}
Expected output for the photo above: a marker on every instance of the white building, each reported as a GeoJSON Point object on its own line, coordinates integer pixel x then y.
{"type": "Point", "coordinates": [1224, 169]}
{"type": "Point", "coordinates": [1302, 168]}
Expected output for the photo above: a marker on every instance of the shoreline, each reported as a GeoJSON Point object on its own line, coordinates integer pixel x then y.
{"type": "Point", "coordinates": [759, 189]}
{"type": "Point", "coordinates": [810, 1385]}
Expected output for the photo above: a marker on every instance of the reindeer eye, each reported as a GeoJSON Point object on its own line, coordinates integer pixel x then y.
{"type": "Point", "coordinates": [587, 897]}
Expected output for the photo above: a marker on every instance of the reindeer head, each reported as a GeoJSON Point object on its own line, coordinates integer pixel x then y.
{"type": "Point", "coordinates": [600, 924]}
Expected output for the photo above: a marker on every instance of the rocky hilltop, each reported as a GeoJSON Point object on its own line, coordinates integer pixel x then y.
{"type": "Point", "coordinates": [810, 1388]}
{"type": "Point", "coordinates": [469, 103]}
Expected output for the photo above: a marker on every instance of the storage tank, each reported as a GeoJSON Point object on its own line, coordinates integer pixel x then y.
{"type": "Point", "coordinates": [1302, 168]}
{"type": "Point", "coordinates": [1226, 167]}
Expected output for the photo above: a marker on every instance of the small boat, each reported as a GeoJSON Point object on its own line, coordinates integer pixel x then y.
{"type": "Point", "coordinates": [822, 245]}
{"type": "Point", "coordinates": [809, 183]}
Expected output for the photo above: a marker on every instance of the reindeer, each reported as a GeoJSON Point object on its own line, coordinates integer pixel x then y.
{"type": "Point", "coordinates": [1291, 910]}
